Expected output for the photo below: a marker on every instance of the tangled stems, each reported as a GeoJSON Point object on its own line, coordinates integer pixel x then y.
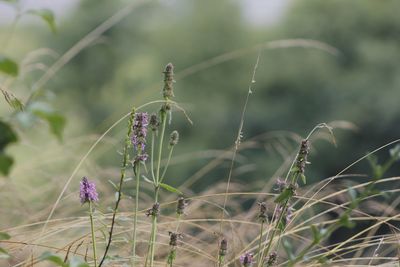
{"type": "Point", "coordinates": [93, 236]}
{"type": "Point", "coordinates": [125, 159]}
{"type": "Point", "coordinates": [260, 242]}
{"type": "Point", "coordinates": [156, 190]}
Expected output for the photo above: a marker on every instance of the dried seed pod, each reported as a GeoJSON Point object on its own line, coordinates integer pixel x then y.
{"type": "Point", "coordinates": [223, 247]}
{"type": "Point", "coordinates": [181, 205]}
{"type": "Point", "coordinates": [262, 213]}
{"type": "Point", "coordinates": [154, 211]}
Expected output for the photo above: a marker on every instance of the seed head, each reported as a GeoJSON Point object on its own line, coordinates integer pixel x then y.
{"type": "Point", "coordinates": [174, 238]}
{"type": "Point", "coordinates": [223, 247]}
{"type": "Point", "coordinates": [182, 204]}
{"type": "Point", "coordinates": [168, 90]}
{"type": "Point", "coordinates": [301, 160]}
{"type": "Point", "coordinates": [154, 123]}
{"type": "Point", "coordinates": [273, 256]}
{"type": "Point", "coordinates": [247, 259]}
{"type": "Point", "coordinates": [88, 191]}
{"type": "Point", "coordinates": [174, 138]}
{"type": "Point", "coordinates": [262, 214]}
{"type": "Point", "coordinates": [139, 131]}
{"type": "Point", "coordinates": [154, 211]}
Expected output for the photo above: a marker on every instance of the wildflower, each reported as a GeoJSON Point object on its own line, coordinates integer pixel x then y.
{"type": "Point", "coordinates": [168, 81]}
{"type": "Point", "coordinates": [281, 185]}
{"type": "Point", "coordinates": [287, 217]}
{"type": "Point", "coordinates": [154, 211]}
{"type": "Point", "coordinates": [139, 131]}
{"type": "Point", "coordinates": [223, 247]}
{"type": "Point", "coordinates": [262, 214]}
{"type": "Point", "coordinates": [88, 191]}
{"type": "Point", "coordinates": [273, 256]}
{"type": "Point", "coordinates": [174, 138]}
{"type": "Point", "coordinates": [247, 259]}
{"type": "Point", "coordinates": [182, 204]}
{"type": "Point", "coordinates": [154, 123]}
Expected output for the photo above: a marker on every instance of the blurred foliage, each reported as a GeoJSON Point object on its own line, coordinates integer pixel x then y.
{"type": "Point", "coordinates": [295, 89]}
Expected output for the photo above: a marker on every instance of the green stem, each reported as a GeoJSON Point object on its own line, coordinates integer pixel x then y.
{"type": "Point", "coordinates": [260, 244]}
{"type": "Point", "coordinates": [93, 236]}
{"type": "Point", "coordinates": [166, 166]}
{"type": "Point", "coordinates": [164, 122]}
{"type": "Point", "coordinates": [153, 231]}
{"type": "Point", "coordinates": [137, 172]}
{"type": "Point", "coordinates": [152, 157]}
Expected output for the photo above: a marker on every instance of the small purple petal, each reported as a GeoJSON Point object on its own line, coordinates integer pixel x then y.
{"type": "Point", "coordinates": [88, 191]}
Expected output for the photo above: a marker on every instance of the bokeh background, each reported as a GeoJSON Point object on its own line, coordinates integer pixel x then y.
{"type": "Point", "coordinates": [295, 89]}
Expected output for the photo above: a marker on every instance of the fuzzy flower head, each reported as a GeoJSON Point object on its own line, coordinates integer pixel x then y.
{"type": "Point", "coordinates": [88, 191]}
{"type": "Point", "coordinates": [247, 259]}
{"type": "Point", "coordinates": [139, 131]}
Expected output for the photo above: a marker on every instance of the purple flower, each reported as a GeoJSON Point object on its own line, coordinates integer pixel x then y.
{"type": "Point", "coordinates": [139, 131]}
{"type": "Point", "coordinates": [88, 191]}
{"type": "Point", "coordinates": [247, 259]}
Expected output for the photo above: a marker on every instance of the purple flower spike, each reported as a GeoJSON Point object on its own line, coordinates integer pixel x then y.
{"type": "Point", "coordinates": [139, 131]}
{"type": "Point", "coordinates": [247, 259]}
{"type": "Point", "coordinates": [88, 191]}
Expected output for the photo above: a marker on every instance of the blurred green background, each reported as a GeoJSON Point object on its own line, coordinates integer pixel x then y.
{"type": "Point", "coordinates": [296, 88]}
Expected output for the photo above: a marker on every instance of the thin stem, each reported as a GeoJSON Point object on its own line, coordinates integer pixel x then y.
{"type": "Point", "coordinates": [152, 157]}
{"type": "Point", "coordinates": [164, 122]}
{"type": "Point", "coordinates": [266, 251]}
{"type": "Point", "coordinates": [156, 191]}
{"type": "Point", "coordinates": [166, 166]}
{"type": "Point", "coordinates": [121, 181]}
{"type": "Point", "coordinates": [260, 244]}
{"type": "Point", "coordinates": [137, 172]}
{"type": "Point", "coordinates": [93, 236]}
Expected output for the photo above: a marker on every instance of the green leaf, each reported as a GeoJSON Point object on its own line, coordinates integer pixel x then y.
{"type": "Point", "coordinates": [316, 234]}
{"type": "Point", "coordinates": [47, 15]}
{"type": "Point", "coordinates": [288, 249]}
{"type": "Point", "coordinates": [395, 152]}
{"type": "Point", "coordinates": [55, 120]}
{"type": "Point", "coordinates": [7, 135]}
{"type": "Point", "coordinates": [77, 262]}
{"type": "Point", "coordinates": [8, 66]}
{"type": "Point", "coordinates": [303, 178]}
{"type": "Point", "coordinates": [285, 195]}
{"type": "Point", "coordinates": [6, 163]}
{"type": "Point", "coordinates": [352, 193]}
{"type": "Point", "coordinates": [4, 236]}
{"type": "Point", "coordinates": [4, 254]}
{"type": "Point", "coordinates": [170, 188]}
{"type": "Point", "coordinates": [48, 256]}
{"type": "Point", "coordinates": [346, 222]}
{"type": "Point", "coordinates": [12, 100]}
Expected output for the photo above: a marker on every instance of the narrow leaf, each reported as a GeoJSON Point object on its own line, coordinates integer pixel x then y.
{"type": "Point", "coordinates": [4, 236]}
{"type": "Point", "coordinates": [12, 100]}
{"type": "Point", "coordinates": [285, 195]}
{"type": "Point", "coordinates": [48, 256]}
{"type": "Point", "coordinates": [8, 66]}
{"type": "Point", "coordinates": [55, 120]}
{"type": "Point", "coordinates": [47, 15]}
{"type": "Point", "coordinates": [77, 262]}
{"type": "Point", "coordinates": [170, 188]}
{"type": "Point", "coordinates": [4, 254]}
{"type": "Point", "coordinates": [6, 163]}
